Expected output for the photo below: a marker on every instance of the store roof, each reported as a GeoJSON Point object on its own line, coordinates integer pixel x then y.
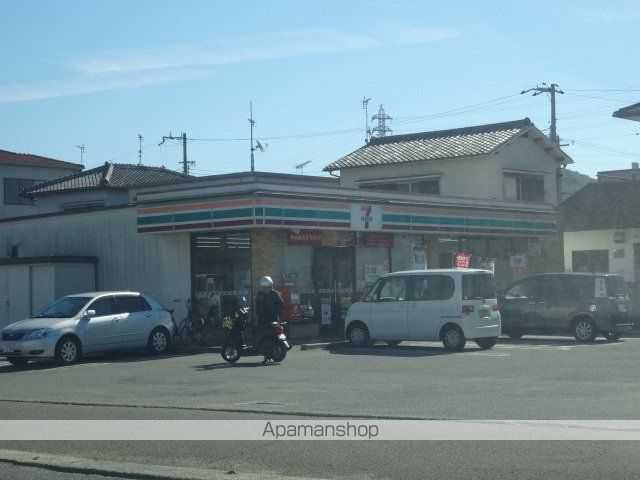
{"type": "Point", "coordinates": [109, 175]}
{"type": "Point", "coordinates": [632, 112]}
{"type": "Point", "coordinates": [28, 159]}
{"type": "Point", "coordinates": [603, 206]}
{"type": "Point", "coordinates": [416, 147]}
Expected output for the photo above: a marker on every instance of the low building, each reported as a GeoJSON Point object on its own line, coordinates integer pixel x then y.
{"type": "Point", "coordinates": [22, 170]}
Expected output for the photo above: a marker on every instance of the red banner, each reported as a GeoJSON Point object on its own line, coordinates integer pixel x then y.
{"type": "Point", "coordinates": [463, 260]}
{"type": "Point", "coordinates": [377, 240]}
{"type": "Point", "coordinates": [304, 237]}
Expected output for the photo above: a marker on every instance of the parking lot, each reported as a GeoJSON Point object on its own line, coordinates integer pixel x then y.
{"type": "Point", "coordinates": [530, 378]}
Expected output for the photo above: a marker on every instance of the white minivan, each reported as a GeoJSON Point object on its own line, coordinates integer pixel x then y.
{"type": "Point", "coordinates": [449, 305]}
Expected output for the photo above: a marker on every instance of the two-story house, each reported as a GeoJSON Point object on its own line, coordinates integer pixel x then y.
{"type": "Point", "coordinates": [19, 171]}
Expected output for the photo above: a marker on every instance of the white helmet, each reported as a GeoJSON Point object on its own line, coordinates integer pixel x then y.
{"type": "Point", "coordinates": [266, 282]}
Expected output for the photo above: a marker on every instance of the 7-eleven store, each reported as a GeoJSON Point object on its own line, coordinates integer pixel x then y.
{"type": "Point", "coordinates": [325, 245]}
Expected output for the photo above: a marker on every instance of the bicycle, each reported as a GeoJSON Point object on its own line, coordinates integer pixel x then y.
{"type": "Point", "coordinates": [192, 329]}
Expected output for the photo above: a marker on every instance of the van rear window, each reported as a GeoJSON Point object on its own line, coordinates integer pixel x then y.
{"type": "Point", "coordinates": [616, 286]}
{"type": "Point", "coordinates": [478, 286]}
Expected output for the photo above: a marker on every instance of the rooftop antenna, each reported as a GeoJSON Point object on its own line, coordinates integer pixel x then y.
{"type": "Point", "coordinates": [381, 130]}
{"type": "Point", "coordinates": [252, 122]}
{"type": "Point", "coordinates": [367, 132]}
{"type": "Point", "coordinates": [81, 147]}
{"type": "Point", "coordinates": [300, 166]}
{"type": "Point", "coordinates": [140, 137]}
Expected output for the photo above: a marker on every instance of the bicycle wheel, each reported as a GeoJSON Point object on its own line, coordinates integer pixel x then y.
{"type": "Point", "coordinates": [192, 331]}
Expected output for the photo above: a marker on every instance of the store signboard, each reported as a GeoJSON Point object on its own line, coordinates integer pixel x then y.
{"type": "Point", "coordinates": [335, 238]}
{"type": "Point", "coordinates": [463, 260]}
{"type": "Point", "coordinates": [304, 237]}
{"type": "Point", "coordinates": [377, 240]}
{"type": "Point", "coordinates": [366, 217]}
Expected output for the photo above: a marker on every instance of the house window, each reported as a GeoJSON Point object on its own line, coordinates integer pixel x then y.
{"type": "Point", "coordinates": [429, 186]}
{"type": "Point", "coordinates": [12, 189]}
{"type": "Point", "coordinates": [530, 188]}
{"type": "Point", "coordinates": [592, 261]}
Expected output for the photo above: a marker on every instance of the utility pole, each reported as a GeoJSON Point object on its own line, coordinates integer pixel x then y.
{"type": "Point", "coordinates": [139, 149]}
{"type": "Point", "coordinates": [252, 122]}
{"type": "Point", "coordinates": [365, 105]}
{"type": "Point", "coordinates": [553, 132]}
{"type": "Point", "coordinates": [185, 162]}
{"type": "Point", "coordinates": [381, 130]}
{"type": "Point", "coordinates": [81, 147]}
{"type": "Point", "coordinates": [553, 89]}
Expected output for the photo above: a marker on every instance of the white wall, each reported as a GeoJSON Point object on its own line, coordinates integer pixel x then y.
{"type": "Point", "coordinates": [31, 173]}
{"type": "Point", "coordinates": [127, 260]}
{"type": "Point", "coordinates": [603, 240]}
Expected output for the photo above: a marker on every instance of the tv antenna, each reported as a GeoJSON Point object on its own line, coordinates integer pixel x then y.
{"type": "Point", "coordinates": [365, 106]}
{"type": "Point", "coordinates": [258, 145]}
{"type": "Point", "coordinates": [300, 166]}
{"type": "Point", "coordinates": [140, 137]}
{"type": "Point", "coordinates": [81, 147]}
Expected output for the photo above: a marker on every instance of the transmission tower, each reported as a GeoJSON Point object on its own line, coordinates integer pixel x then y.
{"type": "Point", "coordinates": [381, 130]}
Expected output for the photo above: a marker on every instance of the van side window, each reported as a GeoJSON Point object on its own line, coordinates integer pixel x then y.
{"type": "Point", "coordinates": [432, 287]}
{"type": "Point", "coordinates": [578, 288]}
{"type": "Point", "coordinates": [392, 289]}
{"type": "Point", "coordinates": [523, 289]}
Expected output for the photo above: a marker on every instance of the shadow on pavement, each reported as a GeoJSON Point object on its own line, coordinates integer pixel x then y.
{"type": "Point", "coordinates": [124, 356]}
{"type": "Point", "coordinates": [217, 366]}
{"type": "Point", "coordinates": [396, 351]}
{"type": "Point", "coordinates": [546, 341]}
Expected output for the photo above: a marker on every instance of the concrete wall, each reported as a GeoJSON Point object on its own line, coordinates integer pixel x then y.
{"type": "Point", "coordinates": [603, 240]}
{"type": "Point", "coordinates": [26, 172]}
{"type": "Point", "coordinates": [470, 177]}
{"type": "Point", "coordinates": [127, 260]}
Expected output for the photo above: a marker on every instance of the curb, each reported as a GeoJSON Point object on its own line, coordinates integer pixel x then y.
{"type": "Point", "coordinates": [86, 466]}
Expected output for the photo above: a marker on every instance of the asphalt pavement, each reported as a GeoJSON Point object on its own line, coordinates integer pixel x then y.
{"type": "Point", "coordinates": [531, 378]}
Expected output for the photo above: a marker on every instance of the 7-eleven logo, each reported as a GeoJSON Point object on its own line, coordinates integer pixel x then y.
{"type": "Point", "coordinates": [366, 218]}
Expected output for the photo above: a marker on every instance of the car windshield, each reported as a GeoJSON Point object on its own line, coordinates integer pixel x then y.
{"type": "Point", "coordinates": [478, 286]}
{"type": "Point", "coordinates": [65, 307]}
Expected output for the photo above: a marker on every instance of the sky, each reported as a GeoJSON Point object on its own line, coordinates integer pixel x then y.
{"type": "Point", "coordinates": [98, 73]}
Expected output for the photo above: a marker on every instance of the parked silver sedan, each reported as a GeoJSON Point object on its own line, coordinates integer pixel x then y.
{"type": "Point", "coordinates": [88, 323]}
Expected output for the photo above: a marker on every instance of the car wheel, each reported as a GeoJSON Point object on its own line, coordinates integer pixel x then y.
{"type": "Point", "coordinates": [18, 362]}
{"type": "Point", "coordinates": [584, 330]}
{"type": "Point", "coordinates": [358, 335]}
{"type": "Point", "coordinates": [514, 334]}
{"type": "Point", "coordinates": [486, 343]}
{"type": "Point", "coordinates": [67, 351]}
{"type": "Point", "coordinates": [159, 341]}
{"type": "Point", "coordinates": [613, 336]}
{"type": "Point", "coordinates": [393, 343]}
{"type": "Point", "coordinates": [453, 339]}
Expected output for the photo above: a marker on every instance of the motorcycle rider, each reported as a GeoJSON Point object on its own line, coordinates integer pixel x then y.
{"type": "Point", "coordinates": [269, 306]}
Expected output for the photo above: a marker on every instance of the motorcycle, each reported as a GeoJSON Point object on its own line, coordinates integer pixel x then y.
{"type": "Point", "coordinates": [270, 342]}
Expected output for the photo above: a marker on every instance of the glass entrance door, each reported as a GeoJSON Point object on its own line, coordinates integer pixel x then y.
{"type": "Point", "coordinates": [334, 282]}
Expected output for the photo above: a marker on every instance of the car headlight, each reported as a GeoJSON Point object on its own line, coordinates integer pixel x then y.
{"type": "Point", "coordinates": [39, 333]}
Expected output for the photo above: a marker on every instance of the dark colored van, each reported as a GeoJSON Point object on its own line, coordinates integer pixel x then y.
{"type": "Point", "coordinates": [580, 304]}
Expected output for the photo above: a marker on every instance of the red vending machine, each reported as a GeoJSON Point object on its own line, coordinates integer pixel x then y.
{"type": "Point", "coordinates": [291, 297]}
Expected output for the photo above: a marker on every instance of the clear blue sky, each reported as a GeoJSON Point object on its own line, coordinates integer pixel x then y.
{"type": "Point", "coordinates": [100, 72]}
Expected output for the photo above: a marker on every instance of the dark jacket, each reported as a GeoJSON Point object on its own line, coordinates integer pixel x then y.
{"type": "Point", "coordinates": [268, 306]}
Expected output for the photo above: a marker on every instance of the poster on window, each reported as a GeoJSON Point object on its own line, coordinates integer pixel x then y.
{"type": "Point", "coordinates": [372, 273]}
{"type": "Point", "coordinates": [418, 257]}
{"type": "Point", "coordinates": [325, 308]}
{"type": "Point", "coordinates": [487, 263]}
{"type": "Point", "coordinates": [463, 260]}
{"type": "Point", "coordinates": [518, 266]}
